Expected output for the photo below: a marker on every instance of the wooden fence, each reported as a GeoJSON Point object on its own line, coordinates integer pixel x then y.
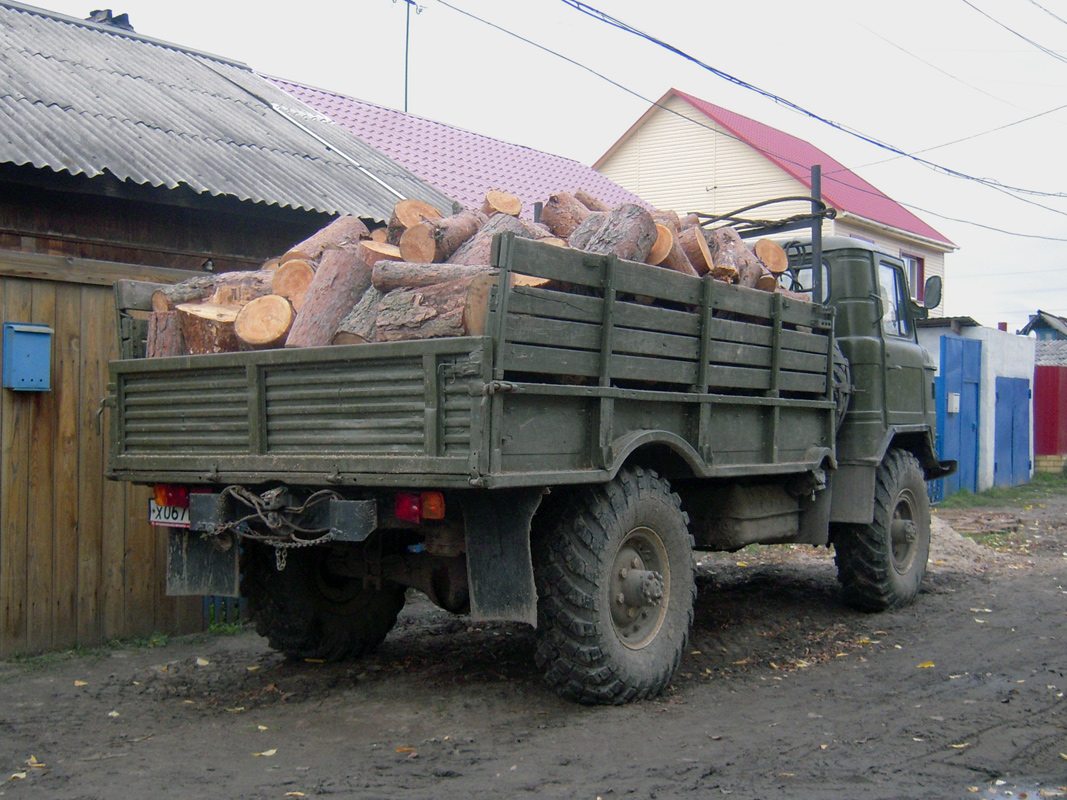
{"type": "Point", "coordinates": [79, 565]}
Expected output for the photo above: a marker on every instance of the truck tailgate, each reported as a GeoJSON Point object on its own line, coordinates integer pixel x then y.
{"type": "Point", "coordinates": [402, 412]}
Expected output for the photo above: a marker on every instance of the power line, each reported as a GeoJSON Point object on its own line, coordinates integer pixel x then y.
{"type": "Point", "coordinates": [827, 175]}
{"type": "Point", "coordinates": [1014, 32]}
{"type": "Point", "coordinates": [607, 19]}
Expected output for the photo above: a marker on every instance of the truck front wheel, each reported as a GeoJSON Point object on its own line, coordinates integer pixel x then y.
{"type": "Point", "coordinates": [881, 565]}
{"type": "Point", "coordinates": [615, 591]}
{"type": "Point", "coordinates": [307, 611]}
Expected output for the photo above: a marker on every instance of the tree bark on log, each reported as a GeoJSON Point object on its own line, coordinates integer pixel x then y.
{"type": "Point", "coordinates": [164, 335]}
{"type": "Point", "coordinates": [343, 232]}
{"type": "Point", "coordinates": [728, 250]}
{"type": "Point", "coordinates": [387, 276]}
{"type": "Point", "coordinates": [668, 218]}
{"type": "Point", "coordinates": [585, 231]}
{"type": "Point", "coordinates": [292, 281]}
{"type": "Point", "coordinates": [501, 203]}
{"type": "Point", "coordinates": [358, 325]}
{"type": "Point", "coordinates": [339, 282]}
{"type": "Point", "coordinates": [478, 248]}
{"type": "Point", "coordinates": [406, 214]}
{"type": "Point", "coordinates": [264, 322]}
{"type": "Point", "coordinates": [456, 308]}
{"type": "Point", "coordinates": [590, 202]}
{"type": "Point", "coordinates": [435, 241]}
{"type": "Point", "coordinates": [563, 213]}
{"type": "Point", "coordinates": [627, 231]}
{"type": "Point", "coordinates": [230, 288]}
{"type": "Point", "coordinates": [190, 290]}
{"type": "Point", "coordinates": [208, 328]}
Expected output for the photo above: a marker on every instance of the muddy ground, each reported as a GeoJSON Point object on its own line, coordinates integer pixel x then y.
{"type": "Point", "coordinates": [784, 693]}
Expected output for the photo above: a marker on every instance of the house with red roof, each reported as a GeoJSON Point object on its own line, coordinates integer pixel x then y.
{"type": "Point", "coordinates": [687, 154]}
{"type": "Point", "coordinates": [461, 164]}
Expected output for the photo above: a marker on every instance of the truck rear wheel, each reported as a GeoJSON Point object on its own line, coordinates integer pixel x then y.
{"type": "Point", "coordinates": [616, 588]}
{"type": "Point", "coordinates": [307, 611]}
{"type": "Point", "coordinates": [881, 565]}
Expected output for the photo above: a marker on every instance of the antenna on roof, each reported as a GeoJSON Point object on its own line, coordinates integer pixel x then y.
{"type": "Point", "coordinates": [407, 43]}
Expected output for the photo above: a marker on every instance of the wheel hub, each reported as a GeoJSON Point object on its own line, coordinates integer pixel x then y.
{"type": "Point", "coordinates": [639, 588]}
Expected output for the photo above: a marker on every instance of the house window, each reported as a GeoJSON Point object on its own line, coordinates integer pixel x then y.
{"type": "Point", "coordinates": [915, 268]}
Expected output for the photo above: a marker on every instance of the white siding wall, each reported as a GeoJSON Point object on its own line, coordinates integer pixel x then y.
{"type": "Point", "coordinates": [692, 164]}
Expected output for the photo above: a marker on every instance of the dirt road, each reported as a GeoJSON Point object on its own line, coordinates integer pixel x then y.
{"type": "Point", "coordinates": [784, 693]}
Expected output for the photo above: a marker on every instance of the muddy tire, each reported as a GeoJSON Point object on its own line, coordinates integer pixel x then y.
{"type": "Point", "coordinates": [305, 611]}
{"type": "Point", "coordinates": [881, 566]}
{"type": "Point", "coordinates": [615, 591]}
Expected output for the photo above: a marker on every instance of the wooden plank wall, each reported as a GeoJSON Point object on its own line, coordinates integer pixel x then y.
{"type": "Point", "coordinates": [79, 565]}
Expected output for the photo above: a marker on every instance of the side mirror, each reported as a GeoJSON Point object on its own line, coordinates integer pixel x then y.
{"type": "Point", "coordinates": [932, 292]}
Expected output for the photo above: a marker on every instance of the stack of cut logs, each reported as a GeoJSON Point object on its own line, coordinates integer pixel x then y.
{"type": "Point", "coordinates": [425, 274]}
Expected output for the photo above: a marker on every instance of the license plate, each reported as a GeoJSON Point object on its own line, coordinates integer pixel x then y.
{"type": "Point", "coordinates": [171, 516]}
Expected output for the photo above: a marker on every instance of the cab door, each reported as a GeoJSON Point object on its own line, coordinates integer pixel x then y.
{"type": "Point", "coordinates": [906, 363]}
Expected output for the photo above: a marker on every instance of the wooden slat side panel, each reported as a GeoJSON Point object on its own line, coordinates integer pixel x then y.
{"type": "Point", "coordinates": [14, 490]}
{"type": "Point", "coordinates": [66, 388]}
{"type": "Point", "coordinates": [95, 305]}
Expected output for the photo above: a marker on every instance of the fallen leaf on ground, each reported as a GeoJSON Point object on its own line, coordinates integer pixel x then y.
{"type": "Point", "coordinates": [17, 776]}
{"type": "Point", "coordinates": [80, 683]}
{"type": "Point", "coordinates": [262, 727]}
{"type": "Point", "coordinates": [33, 762]}
{"type": "Point", "coordinates": [202, 662]}
{"type": "Point", "coordinates": [267, 753]}
{"type": "Point", "coordinates": [960, 746]}
{"type": "Point", "coordinates": [251, 669]}
{"type": "Point", "coordinates": [925, 665]}
{"type": "Point", "coordinates": [405, 749]}
{"type": "Point", "coordinates": [113, 713]}
{"type": "Point", "coordinates": [295, 794]}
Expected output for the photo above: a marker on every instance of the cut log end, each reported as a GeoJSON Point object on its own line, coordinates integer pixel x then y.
{"type": "Point", "coordinates": [662, 246]}
{"type": "Point", "coordinates": [772, 255]}
{"type": "Point", "coordinates": [501, 203]}
{"type": "Point", "coordinates": [264, 322]}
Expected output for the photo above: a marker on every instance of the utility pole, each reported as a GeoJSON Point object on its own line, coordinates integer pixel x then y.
{"type": "Point", "coordinates": [407, 42]}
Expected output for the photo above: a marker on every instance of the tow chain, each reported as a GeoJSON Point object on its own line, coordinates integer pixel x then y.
{"type": "Point", "coordinates": [266, 509]}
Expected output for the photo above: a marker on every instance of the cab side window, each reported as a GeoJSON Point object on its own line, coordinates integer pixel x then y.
{"type": "Point", "coordinates": [895, 321]}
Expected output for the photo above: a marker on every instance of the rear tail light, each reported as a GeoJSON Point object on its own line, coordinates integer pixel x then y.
{"type": "Point", "coordinates": [416, 506]}
{"type": "Point", "coordinates": [170, 495]}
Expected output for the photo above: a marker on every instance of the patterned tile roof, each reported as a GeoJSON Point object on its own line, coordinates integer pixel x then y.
{"type": "Point", "coordinates": [462, 164]}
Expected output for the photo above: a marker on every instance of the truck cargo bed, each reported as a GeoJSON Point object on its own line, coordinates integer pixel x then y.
{"type": "Point", "coordinates": [571, 377]}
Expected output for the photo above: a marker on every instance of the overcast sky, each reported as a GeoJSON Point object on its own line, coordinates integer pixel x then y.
{"type": "Point", "coordinates": [913, 74]}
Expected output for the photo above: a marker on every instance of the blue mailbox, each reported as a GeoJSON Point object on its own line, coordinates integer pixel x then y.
{"type": "Point", "coordinates": [27, 357]}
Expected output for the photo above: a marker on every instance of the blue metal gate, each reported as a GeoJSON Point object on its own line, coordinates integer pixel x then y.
{"type": "Point", "coordinates": [958, 389]}
{"type": "Point", "coordinates": [1011, 432]}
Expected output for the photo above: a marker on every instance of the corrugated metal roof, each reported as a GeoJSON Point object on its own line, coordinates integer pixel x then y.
{"type": "Point", "coordinates": [1051, 353]}
{"type": "Point", "coordinates": [460, 163]}
{"type": "Point", "coordinates": [87, 99]}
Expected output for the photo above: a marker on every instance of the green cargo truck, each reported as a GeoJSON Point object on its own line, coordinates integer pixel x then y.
{"type": "Point", "coordinates": [558, 470]}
